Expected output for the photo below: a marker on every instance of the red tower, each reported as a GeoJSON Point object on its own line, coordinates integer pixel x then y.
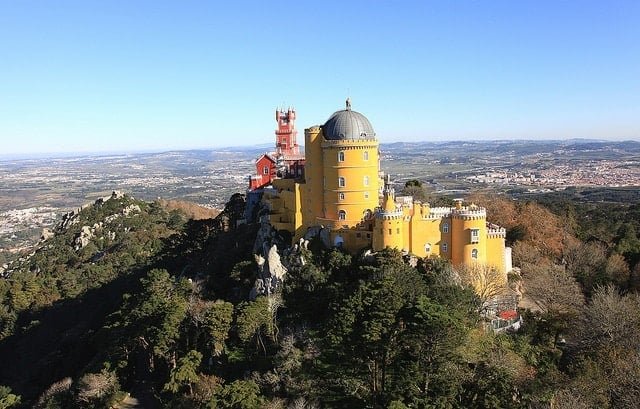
{"type": "Point", "coordinates": [286, 133]}
{"type": "Point", "coordinates": [286, 161]}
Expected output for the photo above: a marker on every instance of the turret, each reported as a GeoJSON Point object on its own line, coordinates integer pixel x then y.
{"type": "Point", "coordinates": [468, 234]}
{"type": "Point", "coordinates": [286, 133]}
{"type": "Point", "coordinates": [388, 228]}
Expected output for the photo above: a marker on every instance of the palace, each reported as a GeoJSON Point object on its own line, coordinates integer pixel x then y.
{"type": "Point", "coordinates": [337, 185]}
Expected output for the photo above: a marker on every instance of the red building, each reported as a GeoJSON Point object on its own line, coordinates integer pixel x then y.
{"type": "Point", "coordinates": [286, 161]}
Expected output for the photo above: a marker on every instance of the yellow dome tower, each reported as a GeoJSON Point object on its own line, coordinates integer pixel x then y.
{"type": "Point", "coordinates": [350, 170]}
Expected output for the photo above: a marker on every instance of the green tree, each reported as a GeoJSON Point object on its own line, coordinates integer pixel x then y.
{"type": "Point", "coordinates": [364, 335]}
{"type": "Point", "coordinates": [185, 373]}
{"type": "Point", "coordinates": [414, 188]}
{"type": "Point", "coordinates": [254, 320]}
{"type": "Point", "coordinates": [217, 323]}
{"type": "Point", "coordinates": [425, 371]}
{"type": "Point", "coordinates": [159, 311]}
{"type": "Point", "coordinates": [238, 395]}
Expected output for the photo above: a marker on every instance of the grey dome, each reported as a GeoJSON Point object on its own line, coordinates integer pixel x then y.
{"type": "Point", "coordinates": [348, 124]}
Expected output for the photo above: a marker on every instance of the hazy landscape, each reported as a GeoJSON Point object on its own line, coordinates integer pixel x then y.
{"type": "Point", "coordinates": [35, 193]}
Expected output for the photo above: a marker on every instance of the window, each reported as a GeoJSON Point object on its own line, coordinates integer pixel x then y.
{"type": "Point", "coordinates": [342, 215]}
{"type": "Point", "coordinates": [445, 227]}
{"type": "Point", "coordinates": [341, 182]}
{"type": "Point", "coordinates": [265, 170]}
{"type": "Point", "coordinates": [390, 231]}
{"type": "Point", "coordinates": [444, 247]}
{"type": "Point", "coordinates": [366, 181]}
{"type": "Point", "coordinates": [475, 236]}
{"type": "Point", "coordinates": [427, 247]}
{"type": "Point", "coordinates": [474, 254]}
{"type": "Point", "coordinates": [398, 230]}
{"type": "Point", "coordinates": [341, 196]}
{"type": "Point", "coordinates": [365, 155]}
{"type": "Point", "coordinates": [341, 156]}
{"type": "Point", "coordinates": [366, 195]}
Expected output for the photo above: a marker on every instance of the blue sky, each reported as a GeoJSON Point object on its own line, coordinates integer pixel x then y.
{"type": "Point", "coordinates": [86, 75]}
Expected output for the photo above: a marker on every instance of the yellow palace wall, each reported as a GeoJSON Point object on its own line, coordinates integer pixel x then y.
{"type": "Point", "coordinates": [423, 232]}
{"type": "Point", "coordinates": [285, 202]}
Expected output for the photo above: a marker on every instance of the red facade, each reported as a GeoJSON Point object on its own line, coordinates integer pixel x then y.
{"type": "Point", "coordinates": [286, 161]}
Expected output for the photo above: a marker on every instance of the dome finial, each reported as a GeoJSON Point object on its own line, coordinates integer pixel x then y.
{"type": "Point", "coordinates": [348, 102]}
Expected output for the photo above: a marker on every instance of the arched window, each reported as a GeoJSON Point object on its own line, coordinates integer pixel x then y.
{"type": "Point", "coordinates": [427, 247]}
{"type": "Point", "coordinates": [341, 182]}
{"type": "Point", "coordinates": [341, 156]}
{"type": "Point", "coordinates": [445, 227]}
{"type": "Point", "coordinates": [340, 196]}
{"type": "Point", "coordinates": [444, 247]}
{"type": "Point", "coordinates": [365, 155]}
{"type": "Point", "coordinates": [366, 181]}
{"type": "Point", "coordinates": [366, 195]}
{"type": "Point", "coordinates": [342, 215]}
{"type": "Point", "coordinates": [474, 254]}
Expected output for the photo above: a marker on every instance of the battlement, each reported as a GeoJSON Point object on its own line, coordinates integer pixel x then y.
{"type": "Point", "coordinates": [469, 213]}
{"type": "Point", "coordinates": [495, 231]}
{"type": "Point", "coordinates": [437, 213]}
{"type": "Point", "coordinates": [386, 215]}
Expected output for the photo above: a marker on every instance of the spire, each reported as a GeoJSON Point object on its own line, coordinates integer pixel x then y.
{"type": "Point", "coordinates": [389, 200]}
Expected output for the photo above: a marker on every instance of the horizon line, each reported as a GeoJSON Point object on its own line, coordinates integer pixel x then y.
{"type": "Point", "coordinates": [104, 153]}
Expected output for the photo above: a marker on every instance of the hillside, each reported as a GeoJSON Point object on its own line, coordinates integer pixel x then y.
{"type": "Point", "coordinates": [131, 297]}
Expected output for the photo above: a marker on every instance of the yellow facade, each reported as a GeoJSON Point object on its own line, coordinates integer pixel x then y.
{"type": "Point", "coordinates": [341, 192]}
{"type": "Point", "coordinates": [350, 179]}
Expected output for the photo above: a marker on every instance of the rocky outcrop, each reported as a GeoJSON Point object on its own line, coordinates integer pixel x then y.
{"type": "Point", "coordinates": [274, 258]}
{"type": "Point", "coordinates": [71, 218]}
{"type": "Point", "coordinates": [46, 234]}
{"type": "Point", "coordinates": [83, 238]}
{"type": "Point", "coordinates": [274, 264]}
{"type": "Point", "coordinates": [270, 271]}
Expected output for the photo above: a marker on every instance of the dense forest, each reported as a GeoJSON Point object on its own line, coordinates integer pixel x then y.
{"type": "Point", "coordinates": [135, 298]}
